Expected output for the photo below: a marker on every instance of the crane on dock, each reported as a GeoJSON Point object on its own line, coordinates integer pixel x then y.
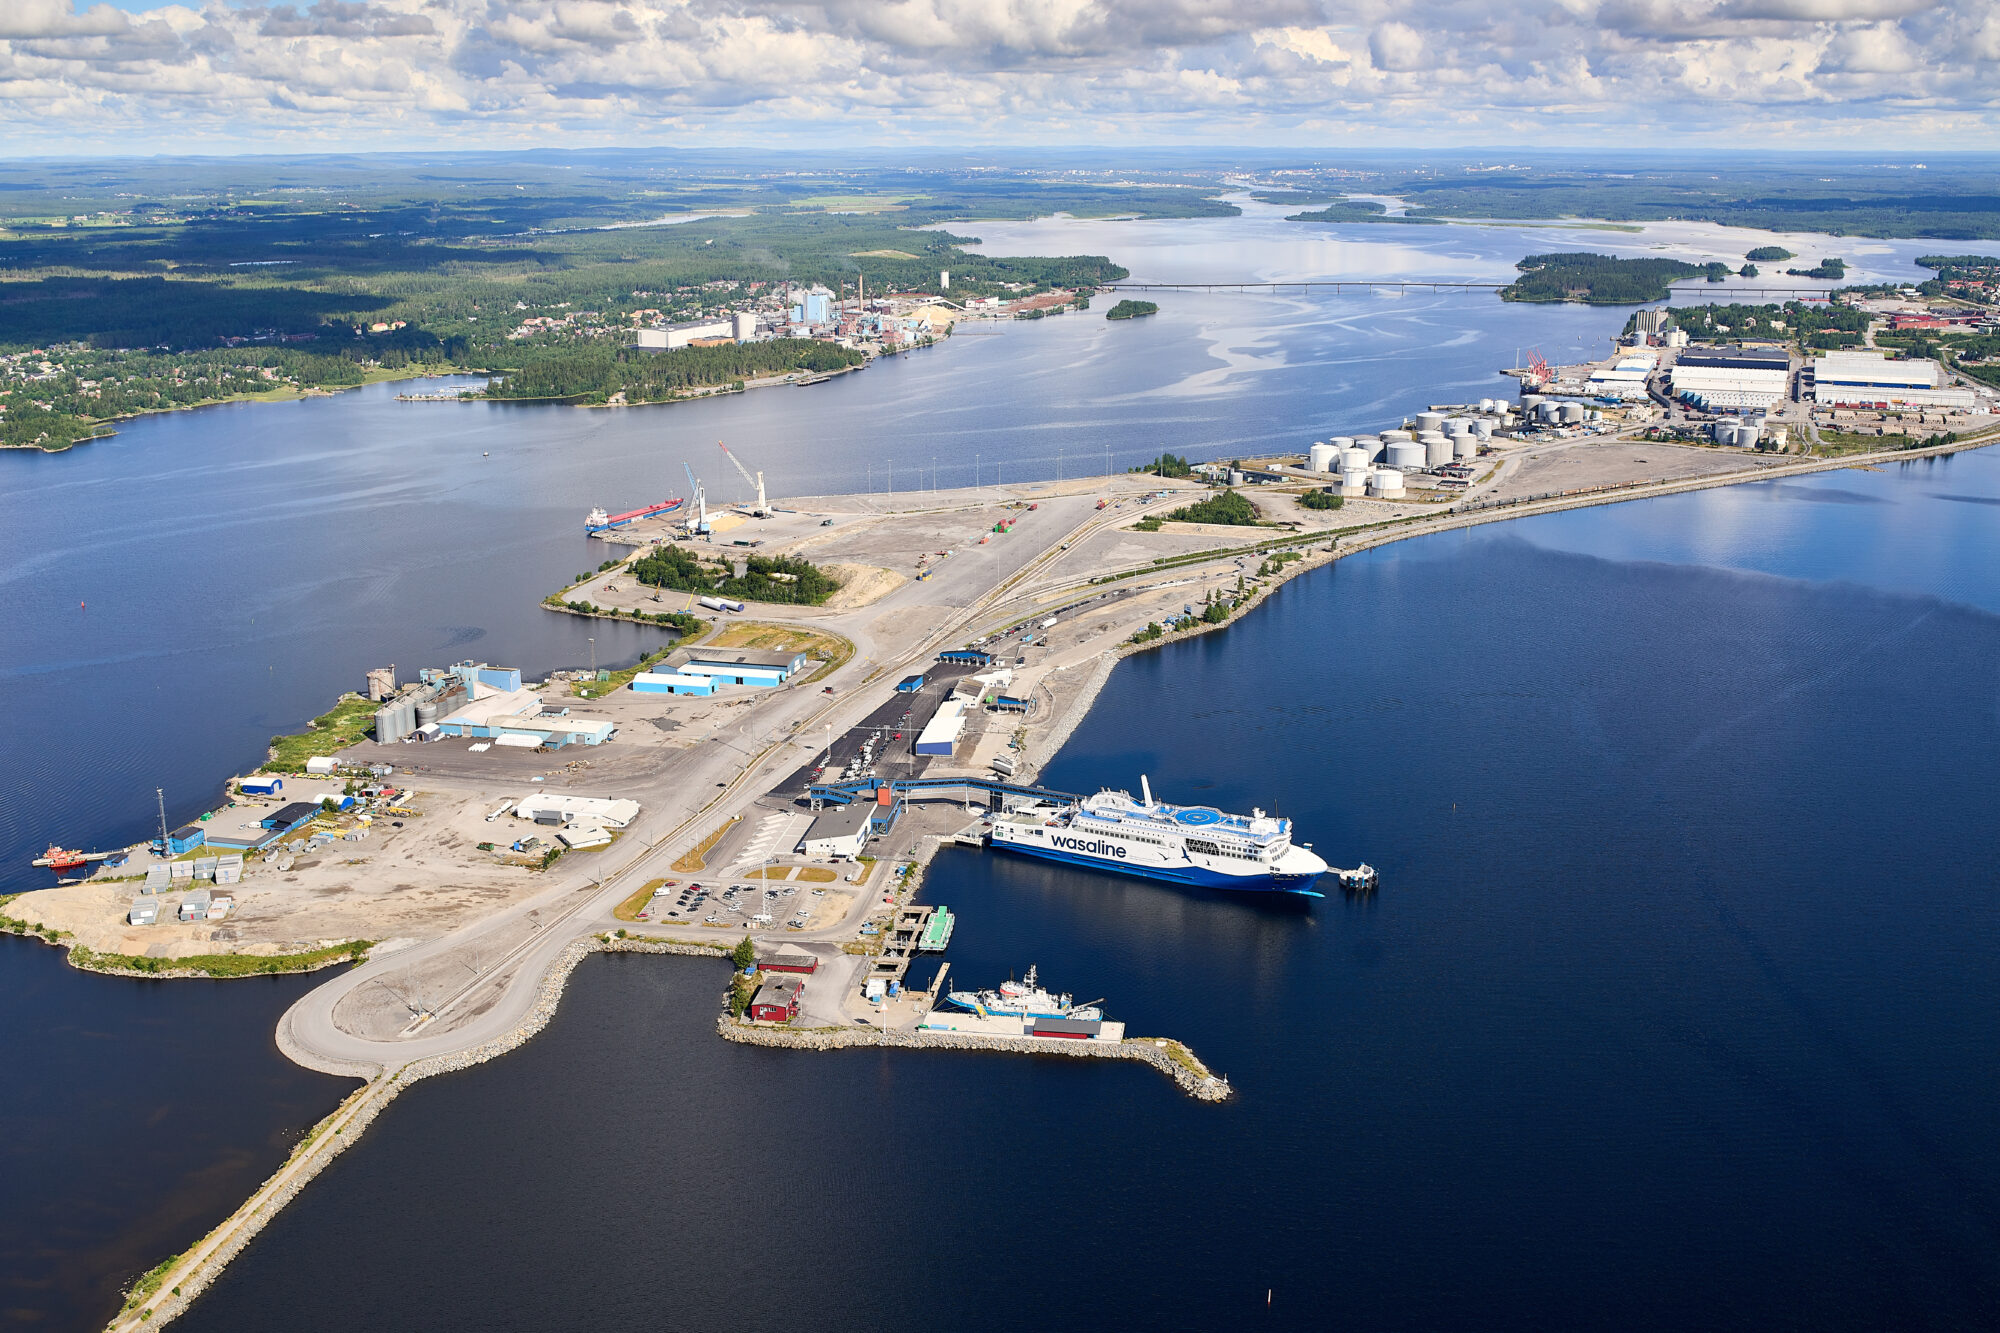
{"type": "Point", "coordinates": [698, 521]}
{"type": "Point", "coordinates": [761, 509]}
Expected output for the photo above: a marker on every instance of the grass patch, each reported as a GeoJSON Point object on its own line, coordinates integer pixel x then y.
{"type": "Point", "coordinates": [618, 680]}
{"type": "Point", "coordinates": [696, 857]}
{"type": "Point", "coordinates": [629, 909]}
{"type": "Point", "coordinates": [1228, 508]}
{"type": "Point", "coordinates": [817, 875]}
{"type": "Point", "coordinates": [347, 722]}
{"type": "Point", "coordinates": [831, 649]}
{"type": "Point", "coordinates": [772, 872]}
{"type": "Point", "coordinates": [1834, 442]}
{"type": "Point", "coordinates": [225, 964]}
{"type": "Point", "coordinates": [149, 1281]}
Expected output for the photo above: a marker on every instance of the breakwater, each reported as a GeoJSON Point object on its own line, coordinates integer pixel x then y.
{"type": "Point", "coordinates": [1169, 1057]}
{"type": "Point", "coordinates": [169, 1291]}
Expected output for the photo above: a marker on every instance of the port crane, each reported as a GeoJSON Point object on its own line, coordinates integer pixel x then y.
{"type": "Point", "coordinates": [698, 521]}
{"type": "Point", "coordinates": [761, 509]}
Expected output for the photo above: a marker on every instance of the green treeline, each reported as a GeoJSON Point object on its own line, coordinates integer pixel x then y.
{"type": "Point", "coordinates": [1351, 210]}
{"type": "Point", "coordinates": [1768, 254]}
{"type": "Point", "coordinates": [1596, 279]}
{"type": "Point", "coordinates": [1228, 507]}
{"type": "Point", "coordinates": [785, 579]}
{"type": "Point", "coordinates": [1132, 310]}
{"type": "Point", "coordinates": [1168, 465]}
{"type": "Point", "coordinates": [1319, 499]}
{"type": "Point", "coordinates": [592, 372]}
{"type": "Point", "coordinates": [1830, 269]}
{"type": "Point", "coordinates": [1810, 324]}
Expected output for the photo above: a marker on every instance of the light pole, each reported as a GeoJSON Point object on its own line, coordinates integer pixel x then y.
{"type": "Point", "coordinates": [593, 658]}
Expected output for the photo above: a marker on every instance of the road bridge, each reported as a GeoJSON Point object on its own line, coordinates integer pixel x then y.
{"type": "Point", "coordinates": [1337, 285]}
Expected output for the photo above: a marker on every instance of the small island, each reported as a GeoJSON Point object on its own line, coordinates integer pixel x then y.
{"type": "Point", "coordinates": [1596, 279]}
{"type": "Point", "coordinates": [1831, 270]}
{"type": "Point", "coordinates": [1131, 310]}
{"type": "Point", "coordinates": [1768, 254]}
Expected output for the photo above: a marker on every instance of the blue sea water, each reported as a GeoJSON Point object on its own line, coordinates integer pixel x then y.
{"type": "Point", "coordinates": [1776, 699]}
{"type": "Point", "coordinates": [1674, 1009]}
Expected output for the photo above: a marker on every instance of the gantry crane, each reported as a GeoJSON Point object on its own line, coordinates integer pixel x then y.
{"type": "Point", "coordinates": [761, 509]}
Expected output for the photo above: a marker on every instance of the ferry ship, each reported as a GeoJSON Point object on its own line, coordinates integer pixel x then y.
{"type": "Point", "coordinates": [1024, 999]}
{"type": "Point", "coordinates": [1186, 844]}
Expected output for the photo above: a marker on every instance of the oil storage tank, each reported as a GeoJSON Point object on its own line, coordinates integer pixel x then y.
{"type": "Point", "coordinates": [1371, 445]}
{"type": "Point", "coordinates": [1572, 414]}
{"type": "Point", "coordinates": [1429, 421]}
{"type": "Point", "coordinates": [1464, 446]}
{"type": "Point", "coordinates": [1437, 449]}
{"type": "Point", "coordinates": [1406, 456]}
{"type": "Point", "coordinates": [1354, 460]}
{"type": "Point", "coordinates": [1320, 458]}
{"type": "Point", "coordinates": [1386, 484]}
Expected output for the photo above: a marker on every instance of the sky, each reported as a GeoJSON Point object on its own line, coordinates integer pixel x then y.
{"type": "Point", "coordinates": [139, 76]}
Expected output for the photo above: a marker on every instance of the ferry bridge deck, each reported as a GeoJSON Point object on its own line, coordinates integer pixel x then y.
{"type": "Point", "coordinates": [996, 791]}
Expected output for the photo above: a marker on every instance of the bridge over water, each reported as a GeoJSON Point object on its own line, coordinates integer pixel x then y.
{"type": "Point", "coordinates": [1338, 285]}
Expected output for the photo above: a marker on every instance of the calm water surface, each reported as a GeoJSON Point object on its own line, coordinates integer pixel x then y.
{"type": "Point", "coordinates": [178, 594]}
{"type": "Point", "coordinates": [1675, 1008]}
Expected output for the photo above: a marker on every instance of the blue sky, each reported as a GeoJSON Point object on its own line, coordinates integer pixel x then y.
{"type": "Point", "coordinates": [134, 75]}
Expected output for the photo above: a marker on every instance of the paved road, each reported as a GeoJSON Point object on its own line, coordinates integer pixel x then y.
{"type": "Point", "coordinates": [476, 1014]}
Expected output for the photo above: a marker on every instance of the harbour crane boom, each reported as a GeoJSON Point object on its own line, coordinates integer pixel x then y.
{"type": "Point", "coordinates": [761, 509]}
{"type": "Point", "coordinates": [700, 523]}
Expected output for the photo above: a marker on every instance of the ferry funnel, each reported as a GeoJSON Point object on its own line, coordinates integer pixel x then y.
{"type": "Point", "coordinates": [1146, 791]}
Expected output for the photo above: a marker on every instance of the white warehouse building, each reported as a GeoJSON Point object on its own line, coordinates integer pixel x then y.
{"type": "Point", "coordinates": [1871, 379]}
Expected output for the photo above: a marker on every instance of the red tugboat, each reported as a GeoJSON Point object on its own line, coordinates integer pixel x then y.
{"type": "Point", "coordinates": [60, 859]}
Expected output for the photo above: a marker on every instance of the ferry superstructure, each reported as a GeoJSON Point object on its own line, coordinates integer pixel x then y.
{"type": "Point", "coordinates": [1185, 844]}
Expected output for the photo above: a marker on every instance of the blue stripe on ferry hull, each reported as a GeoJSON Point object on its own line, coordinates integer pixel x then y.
{"type": "Point", "coordinates": [1207, 879]}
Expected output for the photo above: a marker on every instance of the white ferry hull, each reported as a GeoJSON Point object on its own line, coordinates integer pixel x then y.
{"type": "Point", "coordinates": [1280, 879]}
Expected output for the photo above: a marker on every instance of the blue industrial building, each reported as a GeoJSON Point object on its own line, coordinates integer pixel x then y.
{"type": "Point", "coordinates": [672, 682]}
{"type": "Point", "coordinates": [185, 839]}
{"type": "Point", "coordinates": [910, 684]}
{"type": "Point", "coordinates": [288, 817]}
{"type": "Point", "coordinates": [740, 666]}
{"type": "Point", "coordinates": [507, 679]}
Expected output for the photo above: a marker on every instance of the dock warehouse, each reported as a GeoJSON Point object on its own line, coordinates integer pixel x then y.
{"type": "Point", "coordinates": [777, 1000]}
{"type": "Point", "coordinates": [1870, 379]}
{"type": "Point", "coordinates": [841, 831]}
{"type": "Point", "coordinates": [739, 666]}
{"type": "Point", "coordinates": [288, 817]}
{"type": "Point", "coordinates": [941, 733]}
{"type": "Point", "coordinates": [803, 963]}
{"type": "Point", "coordinates": [261, 786]}
{"type": "Point", "coordinates": [672, 682]}
{"type": "Point", "coordinates": [566, 809]}
{"type": "Point", "coordinates": [520, 713]}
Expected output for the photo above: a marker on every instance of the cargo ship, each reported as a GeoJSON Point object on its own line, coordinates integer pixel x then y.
{"type": "Point", "coordinates": [1184, 844]}
{"type": "Point", "coordinates": [597, 520]}
{"type": "Point", "coordinates": [1024, 999]}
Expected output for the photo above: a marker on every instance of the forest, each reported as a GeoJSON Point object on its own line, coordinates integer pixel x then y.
{"type": "Point", "coordinates": [1596, 279]}
{"type": "Point", "coordinates": [788, 579]}
{"type": "Point", "coordinates": [592, 372]}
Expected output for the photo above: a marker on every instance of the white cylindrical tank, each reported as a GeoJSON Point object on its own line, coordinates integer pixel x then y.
{"type": "Point", "coordinates": [1321, 458]}
{"type": "Point", "coordinates": [1406, 456]}
{"type": "Point", "coordinates": [1489, 405]}
{"type": "Point", "coordinates": [1464, 446]}
{"type": "Point", "coordinates": [1572, 413]}
{"type": "Point", "coordinates": [1370, 445]}
{"type": "Point", "coordinates": [1354, 483]}
{"type": "Point", "coordinates": [1341, 442]}
{"type": "Point", "coordinates": [1387, 483]}
{"type": "Point", "coordinates": [1530, 401]}
{"type": "Point", "coordinates": [1546, 412]}
{"type": "Point", "coordinates": [1429, 421]}
{"type": "Point", "coordinates": [1437, 451]}
{"type": "Point", "coordinates": [1354, 460]}
{"type": "Point", "coordinates": [1398, 436]}
{"type": "Point", "coordinates": [1483, 429]}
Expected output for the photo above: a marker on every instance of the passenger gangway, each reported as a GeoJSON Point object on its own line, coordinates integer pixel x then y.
{"type": "Point", "coordinates": [995, 790]}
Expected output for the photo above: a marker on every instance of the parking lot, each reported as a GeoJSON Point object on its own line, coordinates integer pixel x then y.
{"type": "Point", "coordinates": [751, 905]}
